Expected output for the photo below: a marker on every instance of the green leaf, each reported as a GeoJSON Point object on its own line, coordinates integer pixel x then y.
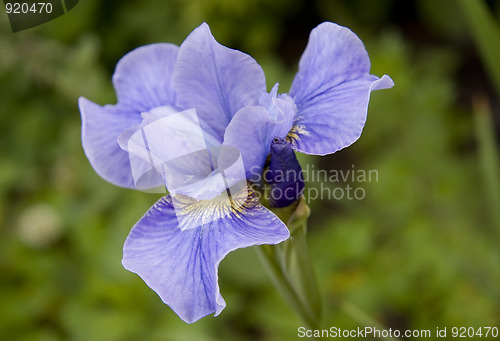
{"type": "Point", "coordinates": [486, 34]}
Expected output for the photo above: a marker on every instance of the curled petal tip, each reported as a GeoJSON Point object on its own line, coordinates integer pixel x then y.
{"type": "Point", "coordinates": [385, 82]}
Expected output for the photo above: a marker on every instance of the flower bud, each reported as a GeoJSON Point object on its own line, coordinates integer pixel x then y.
{"type": "Point", "coordinates": [284, 175]}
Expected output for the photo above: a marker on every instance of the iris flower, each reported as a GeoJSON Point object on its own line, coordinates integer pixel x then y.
{"type": "Point", "coordinates": [197, 119]}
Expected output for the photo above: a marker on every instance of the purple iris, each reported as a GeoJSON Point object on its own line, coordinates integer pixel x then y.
{"type": "Point", "coordinates": [197, 119]}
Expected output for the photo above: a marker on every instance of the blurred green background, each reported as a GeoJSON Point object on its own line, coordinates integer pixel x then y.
{"type": "Point", "coordinates": [419, 252]}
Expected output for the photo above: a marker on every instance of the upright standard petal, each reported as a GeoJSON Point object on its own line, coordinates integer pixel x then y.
{"type": "Point", "coordinates": [281, 108]}
{"type": "Point", "coordinates": [143, 77]}
{"type": "Point", "coordinates": [215, 80]}
{"type": "Point", "coordinates": [251, 131]}
{"type": "Point", "coordinates": [181, 265]}
{"type": "Point", "coordinates": [332, 90]}
{"type": "Point", "coordinates": [101, 127]}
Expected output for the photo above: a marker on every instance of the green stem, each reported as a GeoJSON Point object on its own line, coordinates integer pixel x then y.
{"type": "Point", "coordinates": [291, 271]}
{"type": "Point", "coordinates": [290, 266]}
{"type": "Point", "coordinates": [488, 156]}
{"type": "Point", "coordinates": [269, 258]}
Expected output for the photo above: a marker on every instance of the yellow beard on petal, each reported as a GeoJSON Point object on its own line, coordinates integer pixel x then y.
{"type": "Point", "coordinates": [192, 213]}
{"type": "Point", "coordinates": [295, 133]}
